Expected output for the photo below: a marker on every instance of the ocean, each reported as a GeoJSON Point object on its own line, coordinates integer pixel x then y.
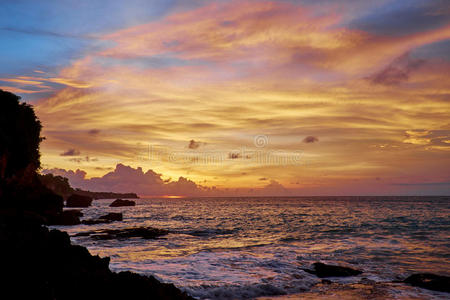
{"type": "Point", "coordinates": [240, 248]}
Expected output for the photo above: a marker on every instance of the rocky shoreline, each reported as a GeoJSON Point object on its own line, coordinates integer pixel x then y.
{"type": "Point", "coordinates": [43, 264]}
{"type": "Point", "coordinates": [39, 263]}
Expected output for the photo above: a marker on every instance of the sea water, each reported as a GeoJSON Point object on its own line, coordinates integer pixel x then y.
{"type": "Point", "coordinates": [238, 248]}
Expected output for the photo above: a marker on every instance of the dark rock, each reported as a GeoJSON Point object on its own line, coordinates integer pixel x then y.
{"type": "Point", "coordinates": [78, 201]}
{"type": "Point", "coordinates": [322, 270]}
{"type": "Point", "coordinates": [86, 233]}
{"type": "Point", "coordinates": [106, 195]}
{"type": "Point", "coordinates": [108, 218]}
{"type": "Point", "coordinates": [67, 217]}
{"type": "Point", "coordinates": [430, 281]}
{"type": "Point", "coordinates": [43, 264]}
{"type": "Point", "coordinates": [136, 284]}
{"type": "Point", "coordinates": [75, 212]}
{"type": "Point", "coordinates": [142, 232]}
{"type": "Point", "coordinates": [95, 221]}
{"type": "Point", "coordinates": [112, 217]}
{"type": "Point", "coordinates": [35, 198]}
{"type": "Point", "coordinates": [120, 202]}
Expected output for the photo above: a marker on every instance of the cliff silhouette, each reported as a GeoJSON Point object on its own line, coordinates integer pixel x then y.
{"type": "Point", "coordinates": [40, 263]}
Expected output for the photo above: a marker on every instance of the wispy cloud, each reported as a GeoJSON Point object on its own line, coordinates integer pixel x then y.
{"type": "Point", "coordinates": [398, 71]}
{"type": "Point", "coordinates": [34, 31]}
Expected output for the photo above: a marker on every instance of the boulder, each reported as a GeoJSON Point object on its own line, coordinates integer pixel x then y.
{"type": "Point", "coordinates": [67, 217]}
{"type": "Point", "coordinates": [36, 198]}
{"type": "Point", "coordinates": [120, 202]}
{"type": "Point", "coordinates": [142, 232]}
{"type": "Point", "coordinates": [78, 201]}
{"type": "Point", "coordinates": [112, 217]}
{"type": "Point", "coordinates": [74, 212]}
{"type": "Point", "coordinates": [430, 281]}
{"type": "Point", "coordinates": [322, 270]}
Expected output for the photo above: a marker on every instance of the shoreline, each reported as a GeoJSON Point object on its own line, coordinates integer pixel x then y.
{"type": "Point", "coordinates": [362, 291]}
{"type": "Point", "coordinates": [43, 263]}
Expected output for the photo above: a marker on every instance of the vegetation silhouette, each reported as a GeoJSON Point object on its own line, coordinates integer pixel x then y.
{"type": "Point", "coordinates": [58, 184]}
{"type": "Point", "coordinates": [20, 137]}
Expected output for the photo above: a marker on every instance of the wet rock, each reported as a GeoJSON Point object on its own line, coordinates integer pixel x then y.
{"type": "Point", "coordinates": [43, 264]}
{"type": "Point", "coordinates": [78, 201]}
{"type": "Point", "coordinates": [94, 221]}
{"type": "Point", "coordinates": [75, 212]}
{"type": "Point", "coordinates": [108, 218]}
{"type": "Point", "coordinates": [430, 281]}
{"type": "Point", "coordinates": [120, 202]}
{"type": "Point", "coordinates": [112, 217]}
{"type": "Point", "coordinates": [141, 232]}
{"type": "Point", "coordinates": [66, 217]}
{"type": "Point", "coordinates": [322, 270]}
{"type": "Point", "coordinates": [139, 287]}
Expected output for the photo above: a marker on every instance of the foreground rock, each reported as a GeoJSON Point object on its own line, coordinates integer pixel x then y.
{"type": "Point", "coordinates": [322, 270]}
{"type": "Point", "coordinates": [120, 202]}
{"type": "Point", "coordinates": [67, 217]}
{"type": "Point", "coordinates": [430, 282]}
{"type": "Point", "coordinates": [78, 201]}
{"type": "Point", "coordinates": [43, 264]}
{"type": "Point", "coordinates": [75, 212]}
{"type": "Point", "coordinates": [141, 232]}
{"type": "Point", "coordinates": [108, 218]}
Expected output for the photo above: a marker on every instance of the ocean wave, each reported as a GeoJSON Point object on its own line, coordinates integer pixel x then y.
{"type": "Point", "coordinates": [247, 291]}
{"type": "Point", "coordinates": [210, 232]}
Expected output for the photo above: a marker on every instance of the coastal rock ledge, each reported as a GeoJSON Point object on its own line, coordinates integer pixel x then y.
{"type": "Point", "coordinates": [43, 264]}
{"type": "Point", "coordinates": [322, 270]}
{"type": "Point", "coordinates": [66, 217]}
{"type": "Point", "coordinates": [430, 282]}
{"type": "Point", "coordinates": [78, 201]}
{"type": "Point", "coordinates": [125, 233]}
{"type": "Point", "coordinates": [120, 202]}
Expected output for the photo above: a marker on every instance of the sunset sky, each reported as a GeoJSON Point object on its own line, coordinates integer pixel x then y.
{"type": "Point", "coordinates": [236, 97]}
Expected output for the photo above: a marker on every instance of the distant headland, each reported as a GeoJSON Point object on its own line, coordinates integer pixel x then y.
{"type": "Point", "coordinates": [60, 185]}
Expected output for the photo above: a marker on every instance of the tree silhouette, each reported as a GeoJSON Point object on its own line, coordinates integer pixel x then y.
{"type": "Point", "coordinates": [58, 184]}
{"type": "Point", "coordinates": [19, 136]}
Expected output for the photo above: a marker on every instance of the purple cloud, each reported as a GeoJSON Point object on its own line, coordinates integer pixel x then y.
{"type": "Point", "coordinates": [310, 139]}
{"type": "Point", "coordinates": [129, 179]}
{"type": "Point", "coordinates": [71, 152]}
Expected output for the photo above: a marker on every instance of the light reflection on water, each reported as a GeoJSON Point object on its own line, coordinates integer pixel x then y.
{"type": "Point", "coordinates": [259, 245]}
